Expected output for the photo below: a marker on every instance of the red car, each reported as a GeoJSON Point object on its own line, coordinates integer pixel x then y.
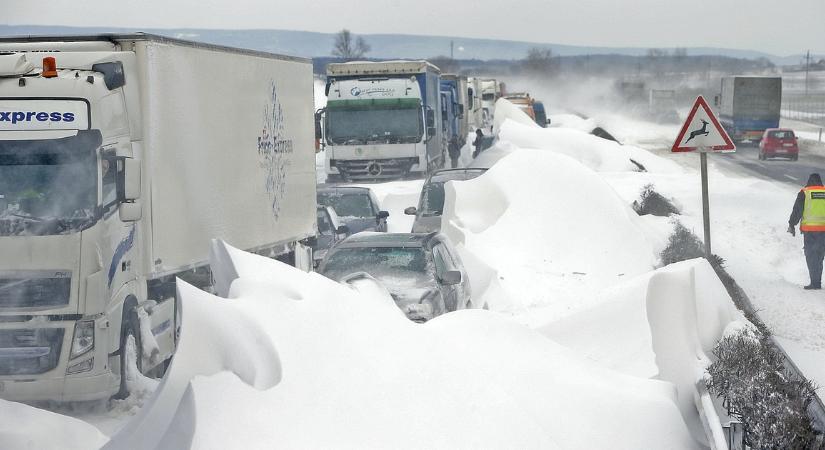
{"type": "Point", "coordinates": [778, 142]}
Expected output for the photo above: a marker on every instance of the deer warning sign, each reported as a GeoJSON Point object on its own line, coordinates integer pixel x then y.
{"type": "Point", "coordinates": [702, 131]}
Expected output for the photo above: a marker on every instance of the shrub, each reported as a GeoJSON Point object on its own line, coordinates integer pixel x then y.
{"type": "Point", "coordinates": [652, 202]}
{"type": "Point", "coordinates": [757, 389]}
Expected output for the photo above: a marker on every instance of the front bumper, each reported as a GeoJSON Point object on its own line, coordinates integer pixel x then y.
{"type": "Point", "coordinates": [73, 388]}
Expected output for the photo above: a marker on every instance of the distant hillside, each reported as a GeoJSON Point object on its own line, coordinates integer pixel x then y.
{"type": "Point", "coordinates": [312, 44]}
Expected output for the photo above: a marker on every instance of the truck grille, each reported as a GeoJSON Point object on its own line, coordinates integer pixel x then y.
{"type": "Point", "coordinates": [30, 351]}
{"type": "Point", "coordinates": [28, 290]}
{"type": "Point", "coordinates": [379, 169]}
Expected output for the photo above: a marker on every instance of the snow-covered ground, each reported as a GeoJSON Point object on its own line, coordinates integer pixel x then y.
{"type": "Point", "coordinates": [588, 343]}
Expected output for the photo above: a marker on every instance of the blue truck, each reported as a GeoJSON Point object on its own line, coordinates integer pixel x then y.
{"type": "Point", "coordinates": [383, 120]}
{"type": "Point", "coordinates": [453, 120]}
{"type": "Point", "coordinates": [748, 105]}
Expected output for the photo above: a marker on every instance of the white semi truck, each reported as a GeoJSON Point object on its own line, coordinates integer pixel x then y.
{"type": "Point", "coordinates": [490, 93]}
{"type": "Point", "coordinates": [382, 120]}
{"type": "Point", "coordinates": [121, 157]}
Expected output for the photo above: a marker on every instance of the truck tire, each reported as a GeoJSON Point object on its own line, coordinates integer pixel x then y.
{"type": "Point", "coordinates": [130, 350]}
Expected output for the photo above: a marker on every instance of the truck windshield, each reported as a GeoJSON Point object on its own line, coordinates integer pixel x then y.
{"type": "Point", "coordinates": [48, 187]}
{"type": "Point", "coordinates": [394, 121]}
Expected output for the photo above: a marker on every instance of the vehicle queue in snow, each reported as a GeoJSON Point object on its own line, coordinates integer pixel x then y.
{"type": "Point", "coordinates": [116, 178]}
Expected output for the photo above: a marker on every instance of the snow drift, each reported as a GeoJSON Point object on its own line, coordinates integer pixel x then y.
{"type": "Point", "coordinates": [27, 427]}
{"type": "Point", "coordinates": [553, 230]}
{"type": "Point", "coordinates": [356, 374]}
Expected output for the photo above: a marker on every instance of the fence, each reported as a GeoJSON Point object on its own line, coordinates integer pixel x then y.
{"type": "Point", "coordinates": [804, 107]}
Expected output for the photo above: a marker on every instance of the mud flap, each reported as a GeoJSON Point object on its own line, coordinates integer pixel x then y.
{"type": "Point", "coordinates": [303, 257]}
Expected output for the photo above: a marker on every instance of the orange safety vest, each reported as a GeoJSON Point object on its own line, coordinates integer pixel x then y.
{"type": "Point", "coordinates": [813, 213]}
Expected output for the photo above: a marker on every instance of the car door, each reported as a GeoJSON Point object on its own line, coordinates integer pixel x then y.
{"type": "Point", "coordinates": [463, 291]}
{"type": "Point", "coordinates": [443, 264]}
{"type": "Point", "coordinates": [326, 234]}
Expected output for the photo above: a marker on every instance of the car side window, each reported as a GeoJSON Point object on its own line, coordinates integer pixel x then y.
{"type": "Point", "coordinates": [441, 264]}
{"type": "Point", "coordinates": [324, 224]}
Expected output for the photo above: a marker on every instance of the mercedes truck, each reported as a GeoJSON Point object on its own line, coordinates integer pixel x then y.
{"type": "Point", "coordinates": [382, 120]}
{"type": "Point", "coordinates": [121, 157]}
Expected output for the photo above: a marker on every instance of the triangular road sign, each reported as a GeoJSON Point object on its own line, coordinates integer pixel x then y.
{"type": "Point", "coordinates": [702, 131]}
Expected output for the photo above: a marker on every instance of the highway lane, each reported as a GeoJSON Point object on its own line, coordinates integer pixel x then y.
{"type": "Point", "coordinates": [746, 161]}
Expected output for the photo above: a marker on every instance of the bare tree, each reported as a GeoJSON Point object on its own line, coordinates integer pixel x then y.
{"type": "Point", "coordinates": [539, 61]}
{"type": "Point", "coordinates": [348, 47]}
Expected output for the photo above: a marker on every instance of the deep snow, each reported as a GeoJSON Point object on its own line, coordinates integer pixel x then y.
{"type": "Point", "coordinates": [587, 344]}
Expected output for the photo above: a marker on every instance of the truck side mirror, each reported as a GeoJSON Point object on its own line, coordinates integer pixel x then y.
{"type": "Point", "coordinates": [715, 100]}
{"type": "Point", "coordinates": [430, 133]}
{"type": "Point", "coordinates": [318, 117]}
{"type": "Point", "coordinates": [130, 212]}
{"type": "Point", "coordinates": [430, 118]}
{"type": "Point", "coordinates": [383, 214]}
{"type": "Point", "coordinates": [460, 111]}
{"type": "Point", "coordinates": [131, 179]}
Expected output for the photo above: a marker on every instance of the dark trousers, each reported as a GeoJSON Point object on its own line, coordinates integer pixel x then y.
{"type": "Point", "coordinates": [814, 254]}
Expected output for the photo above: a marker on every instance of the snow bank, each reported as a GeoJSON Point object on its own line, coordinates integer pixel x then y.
{"type": "Point", "coordinates": [553, 230]}
{"type": "Point", "coordinates": [594, 152]}
{"type": "Point", "coordinates": [505, 110]}
{"type": "Point", "coordinates": [356, 374]}
{"type": "Point", "coordinates": [27, 427]}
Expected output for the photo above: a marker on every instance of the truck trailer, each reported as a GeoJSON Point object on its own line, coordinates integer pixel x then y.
{"type": "Point", "coordinates": [749, 105]}
{"type": "Point", "coordinates": [121, 158]}
{"type": "Point", "coordinates": [382, 120]}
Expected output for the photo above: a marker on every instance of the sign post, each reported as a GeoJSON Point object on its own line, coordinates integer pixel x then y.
{"type": "Point", "coordinates": [697, 136]}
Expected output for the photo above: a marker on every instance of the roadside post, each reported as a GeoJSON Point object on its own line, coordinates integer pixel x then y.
{"type": "Point", "coordinates": [702, 133]}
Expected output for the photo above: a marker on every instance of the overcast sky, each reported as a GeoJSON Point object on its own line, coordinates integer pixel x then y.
{"type": "Point", "coordinates": [778, 27]}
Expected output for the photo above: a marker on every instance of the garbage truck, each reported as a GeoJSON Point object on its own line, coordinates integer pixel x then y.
{"type": "Point", "coordinates": [382, 120]}
{"type": "Point", "coordinates": [121, 158]}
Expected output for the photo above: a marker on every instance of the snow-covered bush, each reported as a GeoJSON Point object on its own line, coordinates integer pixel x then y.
{"type": "Point", "coordinates": [652, 202]}
{"type": "Point", "coordinates": [771, 402]}
{"type": "Point", "coordinates": [682, 245]}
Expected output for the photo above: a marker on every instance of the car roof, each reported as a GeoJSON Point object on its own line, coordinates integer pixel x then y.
{"type": "Point", "coordinates": [375, 239]}
{"type": "Point", "coordinates": [456, 174]}
{"type": "Point", "coordinates": [322, 189]}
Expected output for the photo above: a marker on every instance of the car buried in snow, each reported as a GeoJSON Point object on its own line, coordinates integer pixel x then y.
{"type": "Point", "coordinates": [422, 272]}
{"type": "Point", "coordinates": [356, 207]}
{"type": "Point", "coordinates": [431, 203]}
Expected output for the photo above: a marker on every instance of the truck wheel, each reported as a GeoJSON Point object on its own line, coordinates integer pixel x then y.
{"type": "Point", "coordinates": [130, 351]}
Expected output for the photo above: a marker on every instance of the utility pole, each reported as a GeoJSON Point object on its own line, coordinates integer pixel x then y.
{"type": "Point", "coordinates": [807, 66]}
{"type": "Point", "coordinates": [451, 49]}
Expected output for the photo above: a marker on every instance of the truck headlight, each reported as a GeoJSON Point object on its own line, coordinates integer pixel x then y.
{"type": "Point", "coordinates": [84, 338]}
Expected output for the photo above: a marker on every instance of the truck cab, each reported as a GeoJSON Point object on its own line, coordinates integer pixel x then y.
{"type": "Point", "coordinates": [382, 120]}
{"type": "Point", "coordinates": [71, 190]}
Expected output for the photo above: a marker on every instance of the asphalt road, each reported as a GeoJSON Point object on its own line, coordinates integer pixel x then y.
{"type": "Point", "coordinates": [746, 161]}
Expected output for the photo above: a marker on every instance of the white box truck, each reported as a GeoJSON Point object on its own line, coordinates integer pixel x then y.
{"type": "Point", "coordinates": [382, 120]}
{"type": "Point", "coordinates": [490, 93]}
{"type": "Point", "coordinates": [475, 116]}
{"type": "Point", "coordinates": [121, 157]}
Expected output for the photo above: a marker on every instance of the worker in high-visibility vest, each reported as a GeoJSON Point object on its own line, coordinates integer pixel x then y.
{"type": "Point", "coordinates": [809, 212]}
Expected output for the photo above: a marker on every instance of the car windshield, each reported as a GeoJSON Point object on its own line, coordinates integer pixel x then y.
{"type": "Point", "coordinates": [391, 265]}
{"type": "Point", "coordinates": [348, 205]}
{"type": "Point", "coordinates": [354, 124]}
{"type": "Point", "coordinates": [48, 186]}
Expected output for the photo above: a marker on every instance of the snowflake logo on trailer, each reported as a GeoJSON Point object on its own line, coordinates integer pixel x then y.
{"type": "Point", "coordinates": [273, 150]}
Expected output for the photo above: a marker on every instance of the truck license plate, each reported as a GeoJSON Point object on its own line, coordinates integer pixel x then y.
{"type": "Point", "coordinates": [787, 144]}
